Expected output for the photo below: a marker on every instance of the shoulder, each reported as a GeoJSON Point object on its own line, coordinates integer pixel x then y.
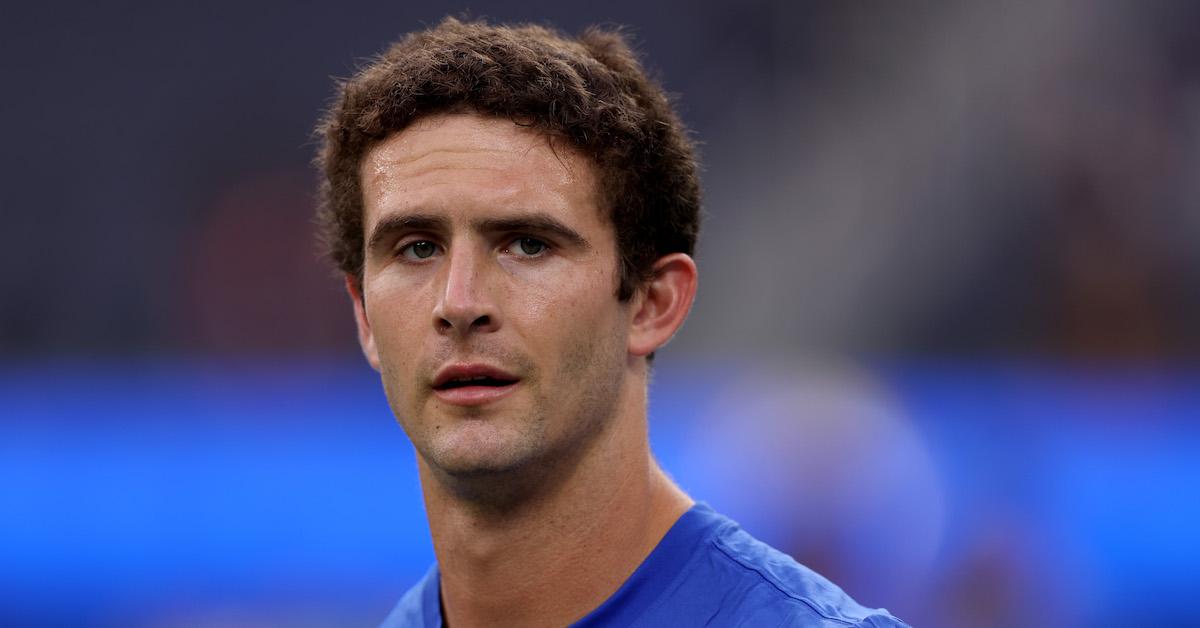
{"type": "Point", "coordinates": [411, 611]}
{"type": "Point", "coordinates": [757, 585]}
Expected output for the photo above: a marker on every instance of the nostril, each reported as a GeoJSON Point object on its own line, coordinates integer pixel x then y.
{"type": "Point", "coordinates": [449, 324]}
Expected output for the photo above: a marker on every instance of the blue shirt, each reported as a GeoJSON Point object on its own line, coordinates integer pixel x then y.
{"type": "Point", "coordinates": [706, 571]}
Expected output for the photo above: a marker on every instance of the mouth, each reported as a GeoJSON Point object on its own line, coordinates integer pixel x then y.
{"type": "Point", "coordinates": [473, 384]}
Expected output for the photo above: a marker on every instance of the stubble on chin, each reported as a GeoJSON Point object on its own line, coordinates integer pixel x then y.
{"type": "Point", "coordinates": [528, 453]}
{"type": "Point", "coordinates": [467, 441]}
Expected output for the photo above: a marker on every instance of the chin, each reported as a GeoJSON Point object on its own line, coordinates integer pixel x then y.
{"type": "Point", "coordinates": [481, 449]}
{"type": "Point", "coordinates": [491, 468]}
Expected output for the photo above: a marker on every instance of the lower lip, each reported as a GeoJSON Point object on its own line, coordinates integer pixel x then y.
{"type": "Point", "coordinates": [474, 395]}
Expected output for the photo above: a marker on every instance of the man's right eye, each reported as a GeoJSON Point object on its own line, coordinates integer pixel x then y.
{"type": "Point", "coordinates": [421, 249]}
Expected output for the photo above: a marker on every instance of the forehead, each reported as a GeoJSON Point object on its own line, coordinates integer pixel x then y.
{"type": "Point", "coordinates": [458, 162]}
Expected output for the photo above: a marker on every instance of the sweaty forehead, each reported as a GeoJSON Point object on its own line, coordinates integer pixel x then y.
{"type": "Point", "coordinates": [469, 142]}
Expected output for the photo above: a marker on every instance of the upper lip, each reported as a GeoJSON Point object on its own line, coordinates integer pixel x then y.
{"type": "Point", "coordinates": [451, 372]}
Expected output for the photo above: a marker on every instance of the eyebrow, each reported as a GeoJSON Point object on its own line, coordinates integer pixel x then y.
{"type": "Point", "coordinates": [537, 222]}
{"type": "Point", "coordinates": [406, 222]}
{"type": "Point", "coordinates": [533, 223]}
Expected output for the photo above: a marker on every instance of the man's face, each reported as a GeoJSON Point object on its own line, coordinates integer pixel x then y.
{"type": "Point", "coordinates": [489, 286]}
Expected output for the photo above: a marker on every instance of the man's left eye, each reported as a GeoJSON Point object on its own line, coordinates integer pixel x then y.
{"type": "Point", "coordinates": [529, 247]}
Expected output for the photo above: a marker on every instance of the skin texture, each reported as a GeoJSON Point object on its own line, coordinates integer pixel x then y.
{"type": "Point", "coordinates": [486, 246]}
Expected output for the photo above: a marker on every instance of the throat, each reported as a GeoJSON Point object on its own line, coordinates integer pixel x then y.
{"type": "Point", "coordinates": [550, 561]}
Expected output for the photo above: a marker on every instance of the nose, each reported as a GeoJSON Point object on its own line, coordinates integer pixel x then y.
{"type": "Point", "coordinates": [464, 305]}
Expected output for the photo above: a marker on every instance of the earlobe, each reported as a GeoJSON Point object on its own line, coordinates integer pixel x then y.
{"type": "Point", "coordinates": [663, 303]}
{"type": "Point", "coordinates": [366, 339]}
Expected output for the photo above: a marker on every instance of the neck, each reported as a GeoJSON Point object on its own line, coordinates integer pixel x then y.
{"type": "Point", "coordinates": [557, 554]}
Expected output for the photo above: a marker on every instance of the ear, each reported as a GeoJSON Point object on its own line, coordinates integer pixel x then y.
{"type": "Point", "coordinates": [366, 339]}
{"type": "Point", "coordinates": [662, 304]}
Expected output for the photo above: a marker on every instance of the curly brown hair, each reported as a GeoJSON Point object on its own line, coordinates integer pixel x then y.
{"type": "Point", "coordinates": [591, 90]}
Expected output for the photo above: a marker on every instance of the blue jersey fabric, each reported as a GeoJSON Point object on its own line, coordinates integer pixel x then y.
{"type": "Point", "coordinates": [706, 571]}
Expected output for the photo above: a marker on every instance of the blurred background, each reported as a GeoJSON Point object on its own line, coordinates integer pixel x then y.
{"type": "Point", "coordinates": [945, 351]}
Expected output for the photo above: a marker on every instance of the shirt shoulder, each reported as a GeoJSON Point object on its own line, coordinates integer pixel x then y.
{"type": "Point", "coordinates": [412, 610]}
{"type": "Point", "coordinates": [734, 579]}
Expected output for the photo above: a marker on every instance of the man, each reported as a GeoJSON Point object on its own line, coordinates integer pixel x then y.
{"type": "Point", "coordinates": [515, 213]}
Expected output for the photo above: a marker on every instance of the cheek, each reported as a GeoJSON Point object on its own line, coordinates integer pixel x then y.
{"type": "Point", "coordinates": [394, 317]}
{"type": "Point", "coordinates": [575, 322]}
{"type": "Point", "coordinates": [561, 301]}
{"type": "Point", "coordinates": [560, 282]}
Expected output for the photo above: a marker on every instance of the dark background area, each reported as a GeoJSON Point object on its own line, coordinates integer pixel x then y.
{"type": "Point", "coordinates": [957, 179]}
